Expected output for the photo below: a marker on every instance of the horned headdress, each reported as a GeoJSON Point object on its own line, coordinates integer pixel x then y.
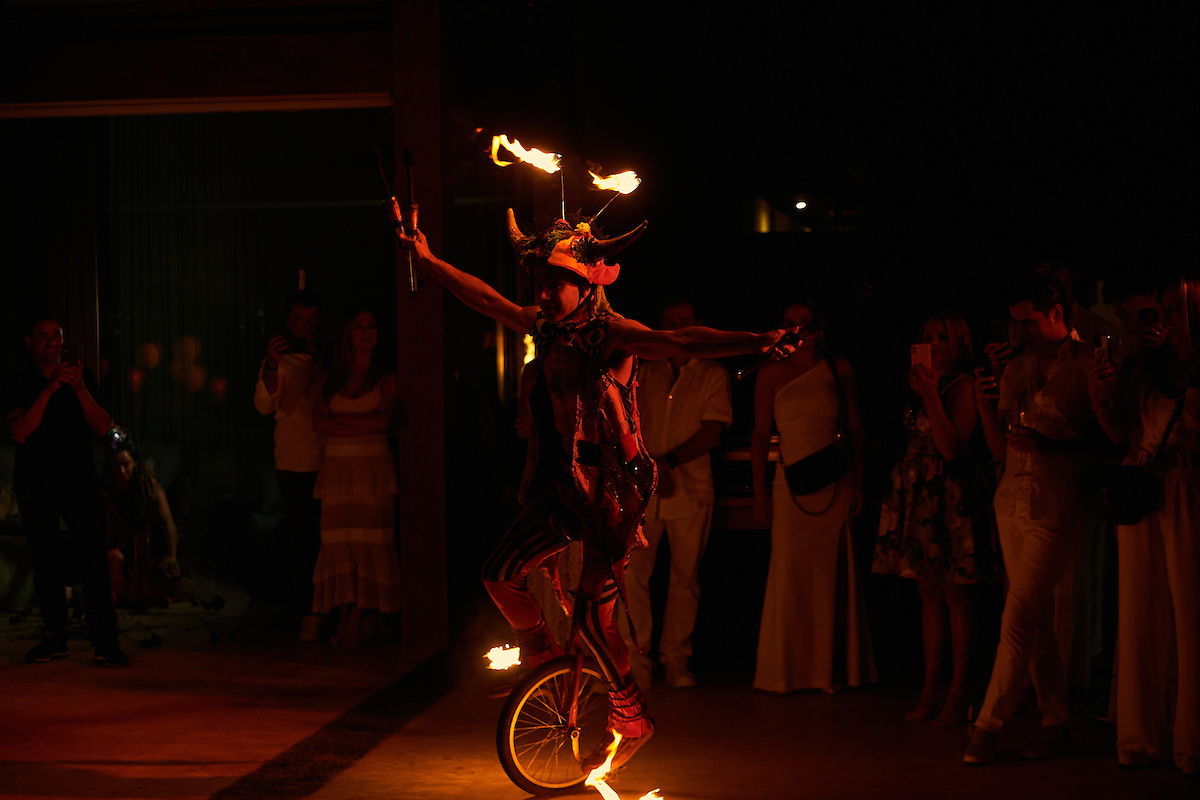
{"type": "Point", "coordinates": [571, 248]}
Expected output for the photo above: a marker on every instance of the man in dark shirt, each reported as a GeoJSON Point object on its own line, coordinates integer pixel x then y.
{"type": "Point", "coordinates": [52, 416]}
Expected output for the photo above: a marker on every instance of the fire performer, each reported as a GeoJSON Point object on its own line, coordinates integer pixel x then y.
{"type": "Point", "coordinates": [588, 476]}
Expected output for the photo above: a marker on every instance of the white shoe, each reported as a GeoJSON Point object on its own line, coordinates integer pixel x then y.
{"type": "Point", "coordinates": [679, 676]}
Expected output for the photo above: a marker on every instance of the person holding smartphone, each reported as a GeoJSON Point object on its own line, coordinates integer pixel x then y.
{"type": "Point", "coordinates": [936, 524]}
{"type": "Point", "coordinates": [287, 388]}
{"type": "Point", "coordinates": [1044, 430]}
{"type": "Point", "coordinates": [53, 416]}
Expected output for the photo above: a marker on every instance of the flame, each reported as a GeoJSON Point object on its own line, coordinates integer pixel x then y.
{"type": "Point", "coordinates": [623, 182]}
{"type": "Point", "coordinates": [595, 778]}
{"type": "Point", "coordinates": [503, 657]}
{"type": "Point", "coordinates": [534, 157]}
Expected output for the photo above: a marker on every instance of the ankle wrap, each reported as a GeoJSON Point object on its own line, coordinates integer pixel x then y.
{"type": "Point", "coordinates": [625, 707]}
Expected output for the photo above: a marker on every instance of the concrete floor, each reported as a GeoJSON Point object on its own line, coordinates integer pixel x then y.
{"type": "Point", "coordinates": [262, 715]}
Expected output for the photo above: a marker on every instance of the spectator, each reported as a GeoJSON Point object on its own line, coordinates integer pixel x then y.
{"type": "Point", "coordinates": [287, 387]}
{"type": "Point", "coordinates": [53, 417]}
{"type": "Point", "coordinates": [1045, 432]}
{"type": "Point", "coordinates": [1077, 598]}
{"type": "Point", "coordinates": [936, 525]}
{"type": "Point", "coordinates": [1159, 557]}
{"type": "Point", "coordinates": [358, 568]}
{"type": "Point", "coordinates": [142, 539]}
{"type": "Point", "coordinates": [684, 404]}
{"type": "Point", "coordinates": [814, 626]}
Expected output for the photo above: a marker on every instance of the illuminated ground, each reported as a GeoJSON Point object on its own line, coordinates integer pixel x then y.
{"type": "Point", "coordinates": [263, 716]}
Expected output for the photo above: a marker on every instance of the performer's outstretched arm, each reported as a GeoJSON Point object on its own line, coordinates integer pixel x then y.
{"type": "Point", "coordinates": [632, 337]}
{"type": "Point", "coordinates": [471, 290]}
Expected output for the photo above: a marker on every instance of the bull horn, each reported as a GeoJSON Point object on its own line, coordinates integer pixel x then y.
{"type": "Point", "coordinates": [515, 237]}
{"type": "Point", "coordinates": [603, 248]}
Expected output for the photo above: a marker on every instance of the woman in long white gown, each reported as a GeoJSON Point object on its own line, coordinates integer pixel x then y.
{"type": "Point", "coordinates": [814, 631]}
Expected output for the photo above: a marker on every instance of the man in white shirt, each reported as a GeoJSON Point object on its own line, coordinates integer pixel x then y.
{"type": "Point", "coordinates": [287, 387]}
{"type": "Point", "coordinates": [684, 405]}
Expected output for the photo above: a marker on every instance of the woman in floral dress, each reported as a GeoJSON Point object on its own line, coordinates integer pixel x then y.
{"type": "Point", "coordinates": [935, 525]}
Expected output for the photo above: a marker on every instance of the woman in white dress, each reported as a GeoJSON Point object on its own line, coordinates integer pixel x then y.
{"type": "Point", "coordinates": [357, 568]}
{"type": "Point", "coordinates": [814, 627]}
{"type": "Point", "coordinates": [1158, 593]}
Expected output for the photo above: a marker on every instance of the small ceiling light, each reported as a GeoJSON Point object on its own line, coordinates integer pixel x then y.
{"type": "Point", "coordinates": [801, 204]}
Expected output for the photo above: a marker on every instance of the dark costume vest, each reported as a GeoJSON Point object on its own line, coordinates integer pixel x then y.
{"type": "Point", "coordinates": [609, 467]}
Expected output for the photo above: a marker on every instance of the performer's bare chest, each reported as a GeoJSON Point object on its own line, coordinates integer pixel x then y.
{"type": "Point", "coordinates": [563, 372]}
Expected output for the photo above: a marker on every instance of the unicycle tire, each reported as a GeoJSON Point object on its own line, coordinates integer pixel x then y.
{"type": "Point", "coordinates": [532, 736]}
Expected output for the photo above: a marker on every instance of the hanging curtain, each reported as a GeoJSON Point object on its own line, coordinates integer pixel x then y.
{"type": "Point", "coordinates": [209, 220]}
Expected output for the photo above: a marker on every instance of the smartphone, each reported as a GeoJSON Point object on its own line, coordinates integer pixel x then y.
{"type": "Point", "coordinates": [1102, 342]}
{"type": "Point", "coordinates": [922, 355]}
{"type": "Point", "coordinates": [296, 344]}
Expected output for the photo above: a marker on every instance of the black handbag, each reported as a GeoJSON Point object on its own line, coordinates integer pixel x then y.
{"type": "Point", "coordinates": [814, 472]}
{"type": "Point", "coordinates": [1128, 493]}
{"type": "Point", "coordinates": [825, 467]}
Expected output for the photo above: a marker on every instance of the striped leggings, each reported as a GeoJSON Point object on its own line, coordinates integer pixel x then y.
{"type": "Point", "coordinates": [544, 528]}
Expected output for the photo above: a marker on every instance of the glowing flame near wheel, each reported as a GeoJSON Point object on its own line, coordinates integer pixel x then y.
{"type": "Point", "coordinates": [623, 182]}
{"type": "Point", "coordinates": [596, 777]}
{"type": "Point", "coordinates": [548, 162]}
{"type": "Point", "coordinates": [503, 657]}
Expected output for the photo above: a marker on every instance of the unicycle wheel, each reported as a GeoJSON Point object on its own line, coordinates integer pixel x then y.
{"type": "Point", "coordinates": [533, 736]}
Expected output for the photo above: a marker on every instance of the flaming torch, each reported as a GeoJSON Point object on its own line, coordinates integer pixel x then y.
{"type": "Point", "coordinates": [547, 162]}
{"type": "Point", "coordinates": [621, 183]}
{"type": "Point", "coordinates": [596, 777]}
{"type": "Point", "coordinates": [503, 657]}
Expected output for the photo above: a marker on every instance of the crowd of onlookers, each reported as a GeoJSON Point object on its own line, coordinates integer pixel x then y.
{"type": "Point", "coordinates": [114, 533]}
{"type": "Point", "coordinates": [1013, 473]}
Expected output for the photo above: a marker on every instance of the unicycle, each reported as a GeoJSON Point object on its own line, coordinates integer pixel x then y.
{"type": "Point", "coordinates": [551, 721]}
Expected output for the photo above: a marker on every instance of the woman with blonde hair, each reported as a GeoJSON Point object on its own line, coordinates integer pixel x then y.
{"type": "Point", "coordinates": [935, 526]}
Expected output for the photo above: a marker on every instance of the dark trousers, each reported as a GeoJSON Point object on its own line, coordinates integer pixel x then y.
{"type": "Point", "coordinates": [303, 536]}
{"type": "Point", "coordinates": [61, 558]}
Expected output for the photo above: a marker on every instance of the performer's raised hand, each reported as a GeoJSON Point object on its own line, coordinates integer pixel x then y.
{"type": "Point", "coordinates": [416, 244]}
{"type": "Point", "coordinates": [780, 343]}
